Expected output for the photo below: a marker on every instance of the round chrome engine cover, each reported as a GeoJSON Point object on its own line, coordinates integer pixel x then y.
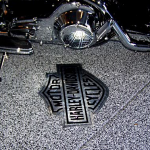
{"type": "Point", "coordinates": [75, 29]}
{"type": "Point", "coordinates": [77, 36]}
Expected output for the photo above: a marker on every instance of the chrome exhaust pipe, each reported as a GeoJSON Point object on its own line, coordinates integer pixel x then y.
{"type": "Point", "coordinates": [127, 41]}
{"type": "Point", "coordinates": [124, 38]}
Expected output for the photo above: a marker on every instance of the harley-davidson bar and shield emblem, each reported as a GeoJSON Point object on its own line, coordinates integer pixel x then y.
{"type": "Point", "coordinates": [75, 92]}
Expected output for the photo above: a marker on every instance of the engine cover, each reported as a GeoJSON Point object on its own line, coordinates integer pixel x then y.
{"type": "Point", "coordinates": [77, 37]}
{"type": "Point", "coordinates": [75, 28]}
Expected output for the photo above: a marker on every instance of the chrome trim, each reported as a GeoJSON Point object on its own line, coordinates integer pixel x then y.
{"type": "Point", "coordinates": [105, 29]}
{"type": "Point", "coordinates": [99, 7]}
{"type": "Point", "coordinates": [127, 42]}
{"type": "Point", "coordinates": [17, 50]}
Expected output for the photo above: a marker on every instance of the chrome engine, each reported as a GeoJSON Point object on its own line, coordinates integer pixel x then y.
{"type": "Point", "coordinates": [74, 25]}
{"type": "Point", "coordinates": [75, 28]}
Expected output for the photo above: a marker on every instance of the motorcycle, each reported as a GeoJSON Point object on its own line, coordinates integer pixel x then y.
{"type": "Point", "coordinates": [77, 24]}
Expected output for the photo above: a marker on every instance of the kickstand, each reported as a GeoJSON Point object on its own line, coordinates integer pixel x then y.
{"type": "Point", "coordinates": [5, 56]}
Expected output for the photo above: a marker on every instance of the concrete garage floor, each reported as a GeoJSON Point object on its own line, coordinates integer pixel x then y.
{"type": "Point", "coordinates": [123, 123]}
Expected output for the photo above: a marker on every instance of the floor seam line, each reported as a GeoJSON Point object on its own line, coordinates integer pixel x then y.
{"type": "Point", "coordinates": [115, 114]}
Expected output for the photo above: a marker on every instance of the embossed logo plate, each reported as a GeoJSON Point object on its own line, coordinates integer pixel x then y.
{"type": "Point", "coordinates": [75, 92]}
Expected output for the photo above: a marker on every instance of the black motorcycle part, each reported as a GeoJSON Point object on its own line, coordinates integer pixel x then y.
{"type": "Point", "coordinates": [32, 8]}
{"type": "Point", "coordinates": [15, 45]}
{"type": "Point", "coordinates": [133, 15]}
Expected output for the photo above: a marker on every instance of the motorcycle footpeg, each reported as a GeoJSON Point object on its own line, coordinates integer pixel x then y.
{"type": "Point", "coordinates": [15, 45]}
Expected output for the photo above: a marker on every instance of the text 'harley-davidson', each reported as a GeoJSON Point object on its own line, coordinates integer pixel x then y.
{"type": "Point", "coordinates": [75, 24]}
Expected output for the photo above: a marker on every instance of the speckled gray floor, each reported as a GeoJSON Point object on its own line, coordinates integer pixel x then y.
{"type": "Point", "coordinates": [122, 123]}
{"type": "Point", "coordinates": [130, 129]}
